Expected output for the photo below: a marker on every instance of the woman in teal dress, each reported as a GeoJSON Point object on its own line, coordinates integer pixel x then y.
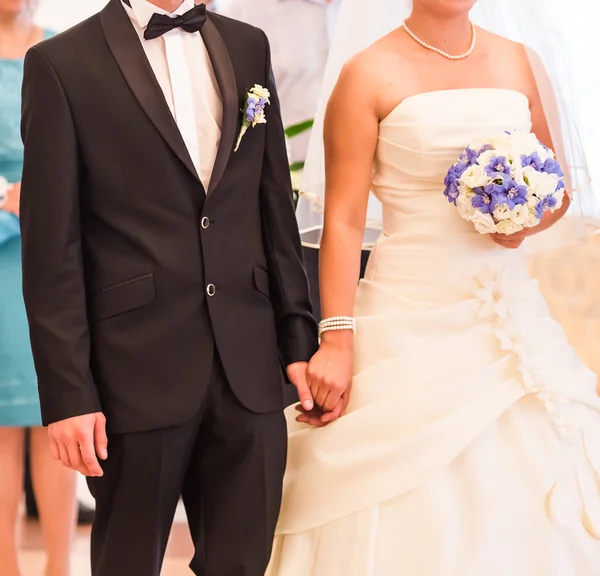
{"type": "Point", "coordinates": [54, 485]}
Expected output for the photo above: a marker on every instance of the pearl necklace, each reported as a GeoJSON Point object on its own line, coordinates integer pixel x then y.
{"type": "Point", "coordinates": [441, 52]}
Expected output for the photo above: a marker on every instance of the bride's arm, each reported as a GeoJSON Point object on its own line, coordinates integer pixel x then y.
{"type": "Point", "coordinates": [350, 134]}
{"type": "Point", "coordinates": [539, 81]}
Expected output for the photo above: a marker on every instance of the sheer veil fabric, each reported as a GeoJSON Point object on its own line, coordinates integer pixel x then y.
{"type": "Point", "coordinates": [536, 24]}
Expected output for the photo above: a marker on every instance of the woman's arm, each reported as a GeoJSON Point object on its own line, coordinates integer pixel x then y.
{"type": "Point", "coordinates": [537, 82]}
{"type": "Point", "coordinates": [351, 130]}
{"type": "Point", "coordinates": [13, 199]}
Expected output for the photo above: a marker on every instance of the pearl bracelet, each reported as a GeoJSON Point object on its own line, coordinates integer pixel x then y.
{"type": "Point", "coordinates": [337, 323]}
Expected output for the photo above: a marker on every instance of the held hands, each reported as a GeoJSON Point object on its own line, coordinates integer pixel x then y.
{"type": "Point", "coordinates": [77, 442]}
{"type": "Point", "coordinates": [326, 384]}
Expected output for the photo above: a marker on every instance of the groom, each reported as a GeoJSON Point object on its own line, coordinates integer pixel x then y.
{"type": "Point", "coordinates": [163, 280]}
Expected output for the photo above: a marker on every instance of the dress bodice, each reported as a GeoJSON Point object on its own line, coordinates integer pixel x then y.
{"type": "Point", "coordinates": [11, 147]}
{"type": "Point", "coordinates": [419, 141]}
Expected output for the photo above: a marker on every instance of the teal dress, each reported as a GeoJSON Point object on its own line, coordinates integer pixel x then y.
{"type": "Point", "coordinates": [19, 401]}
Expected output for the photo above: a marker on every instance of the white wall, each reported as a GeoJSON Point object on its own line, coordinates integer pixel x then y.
{"type": "Point", "coordinates": [61, 14]}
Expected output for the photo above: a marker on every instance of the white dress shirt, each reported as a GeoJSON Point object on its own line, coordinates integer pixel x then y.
{"type": "Point", "coordinates": [300, 33]}
{"type": "Point", "coordinates": [185, 74]}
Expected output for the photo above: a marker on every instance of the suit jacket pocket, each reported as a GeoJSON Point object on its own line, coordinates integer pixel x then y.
{"type": "Point", "coordinates": [261, 281]}
{"type": "Point", "coordinates": [123, 297]}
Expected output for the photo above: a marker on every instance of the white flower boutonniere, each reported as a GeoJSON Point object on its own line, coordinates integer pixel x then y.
{"type": "Point", "coordinates": [254, 110]}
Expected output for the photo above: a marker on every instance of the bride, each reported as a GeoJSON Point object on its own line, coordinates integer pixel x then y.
{"type": "Point", "coordinates": [458, 433]}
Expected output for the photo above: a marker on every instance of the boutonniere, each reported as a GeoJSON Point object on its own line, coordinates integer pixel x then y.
{"type": "Point", "coordinates": [254, 110]}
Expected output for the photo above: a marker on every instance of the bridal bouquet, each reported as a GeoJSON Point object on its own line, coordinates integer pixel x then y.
{"type": "Point", "coordinates": [506, 183]}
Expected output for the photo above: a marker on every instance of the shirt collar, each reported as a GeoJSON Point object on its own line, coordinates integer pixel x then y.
{"type": "Point", "coordinates": [141, 11]}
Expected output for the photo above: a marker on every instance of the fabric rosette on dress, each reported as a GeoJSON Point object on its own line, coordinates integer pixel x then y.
{"type": "Point", "coordinates": [511, 304]}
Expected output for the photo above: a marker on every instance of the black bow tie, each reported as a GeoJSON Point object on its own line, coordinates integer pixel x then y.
{"type": "Point", "coordinates": [192, 21]}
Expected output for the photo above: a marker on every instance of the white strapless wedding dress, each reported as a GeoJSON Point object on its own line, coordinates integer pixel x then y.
{"type": "Point", "coordinates": [472, 442]}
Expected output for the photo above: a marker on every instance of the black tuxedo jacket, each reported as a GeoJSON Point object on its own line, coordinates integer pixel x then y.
{"type": "Point", "coordinates": [132, 271]}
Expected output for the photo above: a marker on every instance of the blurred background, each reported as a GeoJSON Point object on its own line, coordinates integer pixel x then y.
{"type": "Point", "coordinates": [300, 32]}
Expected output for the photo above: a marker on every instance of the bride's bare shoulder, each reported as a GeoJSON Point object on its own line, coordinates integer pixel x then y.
{"type": "Point", "coordinates": [515, 56]}
{"type": "Point", "coordinates": [512, 52]}
{"type": "Point", "coordinates": [374, 70]}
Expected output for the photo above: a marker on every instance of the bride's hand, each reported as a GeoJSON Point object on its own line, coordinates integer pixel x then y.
{"type": "Point", "coordinates": [511, 241]}
{"type": "Point", "coordinates": [330, 373]}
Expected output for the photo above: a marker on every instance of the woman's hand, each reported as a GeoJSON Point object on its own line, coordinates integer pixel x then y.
{"type": "Point", "coordinates": [329, 376]}
{"type": "Point", "coordinates": [13, 199]}
{"type": "Point", "coordinates": [511, 241]}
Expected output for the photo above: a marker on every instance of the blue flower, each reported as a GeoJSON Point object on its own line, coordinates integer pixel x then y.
{"type": "Point", "coordinates": [551, 166]}
{"type": "Point", "coordinates": [512, 194]}
{"type": "Point", "coordinates": [545, 204]}
{"type": "Point", "coordinates": [498, 164]}
{"type": "Point", "coordinates": [458, 169]}
{"type": "Point", "coordinates": [532, 160]}
{"type": "Point", "coordinates": [451, 181]}
{"type": "Point", "coordinates": [471, 156]}
{"type": "Point", "coordinates": [451, 191]}
{"type": "Point", "coordinates": [484, 199]}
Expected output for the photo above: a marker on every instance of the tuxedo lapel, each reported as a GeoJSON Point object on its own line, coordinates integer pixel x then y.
{"type": "Point", "coordinates": [225, 76]}
{"type": "Point", "coordinates": [125, 46]}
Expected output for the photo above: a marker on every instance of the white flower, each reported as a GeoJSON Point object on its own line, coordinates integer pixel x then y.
{"type": "Point", "coordinates": [532, 202]}
{"type": "Point", "coordinates": [484, 223]}
{"type": "Point", "coordinates": [540, 183]}
{"type": "Point", "coordinates": [501, 139]}
{"type": "Point", "coordinates": [465, 206]}
{"type": "Point", "coordinates": [485, 157]}
{"type": "Point", "coordinates": [259, 118]}
{"type": "Point", "coordinates": [508, 227]}
{"type": "Point", "coordinates": [525, 142]}
{"type": "Point", "coordinates": [532, 219]}
{"type": "Point", "coordinates": [502, 212]}
{"type": "Point", "coordinates": [478, 144]}
{"type": "Point", "coordinates": [560, 196]}
{"type": "Point", "coordinates": [474, 176]}
{"type": "Point", "coordinates": [520, 214]}
{"type": "Point", "coordinates": [261, 92]}
{"type": "Point", "coordinates": [465, 190]}
{"type": "Point", "coordinates": [516, 173]}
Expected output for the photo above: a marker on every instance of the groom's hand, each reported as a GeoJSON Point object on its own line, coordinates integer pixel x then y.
{"type": "Point", "coordinates": [77, 442]}
{"type": "Point", "coordinates": [297, 374]}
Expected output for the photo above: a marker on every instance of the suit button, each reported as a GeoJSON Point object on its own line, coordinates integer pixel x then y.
{"type": "Point", "coordinates": [205, 223]}
{"type": "Point", "coordinates": [211, 290]}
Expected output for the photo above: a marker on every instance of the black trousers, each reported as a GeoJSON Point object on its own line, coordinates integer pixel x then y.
{"type": "Point", "coordinates": [227, 464]}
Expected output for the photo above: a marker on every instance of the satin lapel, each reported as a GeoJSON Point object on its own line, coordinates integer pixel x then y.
{"type": "Point", "coordinates": [225, 76]}
{"type": "Point", "coordinates": [125, 46]}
